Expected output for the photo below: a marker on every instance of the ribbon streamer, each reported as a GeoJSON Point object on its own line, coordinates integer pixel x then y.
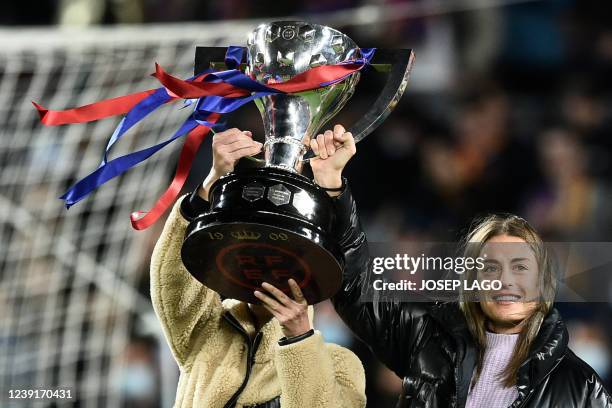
{"type": "Point", "coordinates": [214, 94]}
{"type": "Point", "coordinates": [91, 112]}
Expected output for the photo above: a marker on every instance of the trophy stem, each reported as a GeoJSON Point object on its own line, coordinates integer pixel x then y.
{"type": "Point", "coordinates": [284, 153]}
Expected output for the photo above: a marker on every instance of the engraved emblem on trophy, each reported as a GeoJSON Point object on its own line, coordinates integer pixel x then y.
{"type": "Point", "coordinates": [271, 223]}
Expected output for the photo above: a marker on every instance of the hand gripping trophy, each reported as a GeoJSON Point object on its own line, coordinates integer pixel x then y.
{"type": "Point", "coordinates": [271, 223]}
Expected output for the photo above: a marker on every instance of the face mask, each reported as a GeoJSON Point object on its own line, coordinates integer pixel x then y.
{"type": "Point", "coordinates": [137, 381]}
{"type": "Point", "coordinates": [334, 331]}
{"type": "Point", "coordinates": [336, 335]}
{"type": "Point", "coordinates": [594, 354]}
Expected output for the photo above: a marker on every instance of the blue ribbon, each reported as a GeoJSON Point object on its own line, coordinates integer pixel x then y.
{"type": "Point", "coordinates": [135, 115]}
{"type": "Point", "coordinates": [233, 57]}
{"type": "Point", "coordinates": [119, 166]}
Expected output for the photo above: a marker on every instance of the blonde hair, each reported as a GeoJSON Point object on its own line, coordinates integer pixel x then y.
{"type": "Point", "coordinates": [481, 231]}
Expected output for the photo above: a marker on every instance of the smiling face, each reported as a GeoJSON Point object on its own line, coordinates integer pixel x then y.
{"type": "Point", "coordinates": [511, 260]}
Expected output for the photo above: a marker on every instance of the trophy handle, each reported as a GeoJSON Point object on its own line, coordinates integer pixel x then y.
{"type": "Point", "coordinates": [398, 63]}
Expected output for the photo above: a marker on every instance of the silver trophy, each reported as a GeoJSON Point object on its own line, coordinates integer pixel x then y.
{"type": "Point", "coordinates": [280, 51]}
{"type": "Point", "coordinates": [271, 223]}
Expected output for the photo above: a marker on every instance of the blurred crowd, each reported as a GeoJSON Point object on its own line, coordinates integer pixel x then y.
{"type": "Point", "coordinates": [507, 111]}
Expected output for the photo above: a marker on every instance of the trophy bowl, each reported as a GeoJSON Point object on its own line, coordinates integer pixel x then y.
{"type": "Point", "coordinates": [271, 223]}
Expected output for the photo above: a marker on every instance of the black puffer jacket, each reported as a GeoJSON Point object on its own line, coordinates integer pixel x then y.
{"type": "Point", "coordinates": [430, 347]}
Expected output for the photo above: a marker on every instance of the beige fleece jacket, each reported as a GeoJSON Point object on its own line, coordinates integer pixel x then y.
{"type": "Point", "coordinates": [212, 355]}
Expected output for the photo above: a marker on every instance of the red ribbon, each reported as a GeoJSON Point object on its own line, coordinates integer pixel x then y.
{"type": "Point", "coordinates": [91, 112]}
{"type": "Point", "coordinates": [307, 80]}
{"type": "Point", "coordinates": [193, 90]}
{"type": "Point", "coordinates": [98, 110]}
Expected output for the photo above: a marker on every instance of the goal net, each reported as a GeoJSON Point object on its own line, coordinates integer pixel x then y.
{"type": "Point", "coordinates": [69, 280]}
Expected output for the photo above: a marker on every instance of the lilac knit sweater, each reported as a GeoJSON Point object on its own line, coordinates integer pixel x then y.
{"type": "Point", "coordinates": [489, 391]}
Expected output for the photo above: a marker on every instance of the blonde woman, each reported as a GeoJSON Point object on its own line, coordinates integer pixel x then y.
{"type": "Point", "coordinates": [508, 349]}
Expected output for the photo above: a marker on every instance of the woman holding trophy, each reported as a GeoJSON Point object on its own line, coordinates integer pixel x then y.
{"type": "Point", "coordinates": [239, 354]}
{"type": "Point", "coordinates": [506, 349]}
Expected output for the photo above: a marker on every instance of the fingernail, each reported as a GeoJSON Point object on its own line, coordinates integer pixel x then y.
{"type": "Point", "coordinates": [248, 132]}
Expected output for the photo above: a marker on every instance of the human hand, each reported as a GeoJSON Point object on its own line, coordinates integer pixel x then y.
{"type": "Point", "coordinates": [292, 314]}
{"type": "Point", "coordinates": [227, 147]}
{"type": "Point", "coordinates": [333, 151]}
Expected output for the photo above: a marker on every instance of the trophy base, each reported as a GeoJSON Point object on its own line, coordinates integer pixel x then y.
{"type": "Point", "coordinates": [265, 225]}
